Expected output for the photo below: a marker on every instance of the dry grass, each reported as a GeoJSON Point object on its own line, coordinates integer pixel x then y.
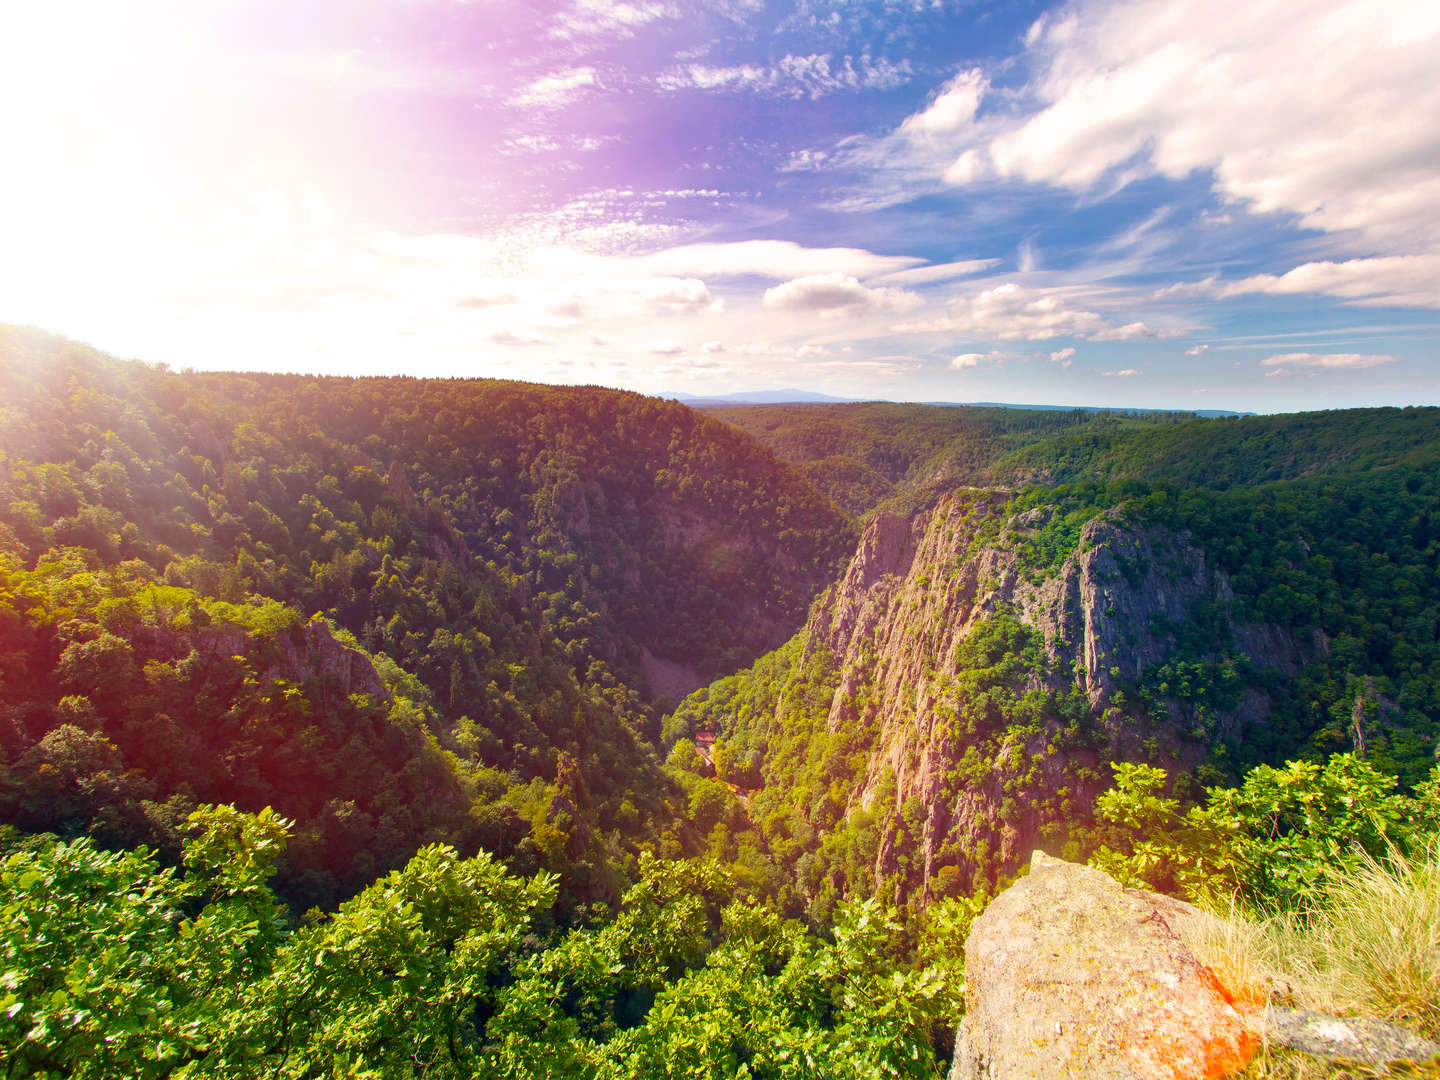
{"type": "Point", "coordinates": [1370, 946]}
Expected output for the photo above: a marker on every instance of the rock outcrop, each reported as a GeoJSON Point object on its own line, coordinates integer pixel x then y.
{"type": "Point", "coordinates": [1372, 1042]}
{"type": "Point", "coordinates": [1070, 975]}
{"type": "Point", "coordinates": [1104, 617]}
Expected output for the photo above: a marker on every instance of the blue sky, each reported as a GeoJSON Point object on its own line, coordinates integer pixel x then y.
{"type": "Point", "coordinates": [1155, 203]}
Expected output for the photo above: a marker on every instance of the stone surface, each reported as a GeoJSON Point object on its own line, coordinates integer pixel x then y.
{"type": "Point", "coordinates": [1070, 975]}
{"type": "Point", "coordinates": [1347, 1039]}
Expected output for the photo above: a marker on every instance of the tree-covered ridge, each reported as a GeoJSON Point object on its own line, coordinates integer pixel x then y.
{"type": "Point", "coordinates": [505, 554]}
{"type": "Point", "coordinates": [863, 455]}
{"type": "Point", "coordinates": [1229, 452]}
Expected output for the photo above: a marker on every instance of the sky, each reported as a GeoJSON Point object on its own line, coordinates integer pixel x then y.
{"type": "Point", "coordinates": [1154, 203]}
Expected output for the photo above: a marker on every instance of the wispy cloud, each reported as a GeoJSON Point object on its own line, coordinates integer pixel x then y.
{"type": "Point", "coordinates": [1011, 312]}
{"type": "Point", "coordinates": [615, 18]}
{"type": "Point", "coordinates": [556, 89]}
{"type": "Point", "coordinates": [1388, 281]}
{"type": "Point", "coordinates": [1346, 361]}
{"type": "Point", "coordinates": [813, 76]}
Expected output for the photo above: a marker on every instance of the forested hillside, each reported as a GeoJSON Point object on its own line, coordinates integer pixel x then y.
{"type": "Point", "coordinates": [862, 455]}
{"type": "Point", "coordinates": [865, 454]}
{"type": "Point", "coordinates": [1252, 590]}
{"type": "Point", "coordinates": [505, 577]}
{"type": "Point", "coordinates": [339, 729]}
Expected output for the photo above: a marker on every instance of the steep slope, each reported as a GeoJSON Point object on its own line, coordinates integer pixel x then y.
{"type": "Point", "coordinates": [956, 697]}
{"type": "Point", "coordinates": [539, 563]}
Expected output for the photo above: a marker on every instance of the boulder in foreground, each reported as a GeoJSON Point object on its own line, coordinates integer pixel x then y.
{"type": "Point", "coordinates": [1070, 975]}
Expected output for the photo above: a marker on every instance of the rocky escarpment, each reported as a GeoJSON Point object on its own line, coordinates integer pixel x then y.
{"type": "Point", "coordinates": [977, 750]}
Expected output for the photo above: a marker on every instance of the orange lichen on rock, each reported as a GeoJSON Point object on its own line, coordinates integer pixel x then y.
{"type": "Point", "coordinates": [1068, 974]}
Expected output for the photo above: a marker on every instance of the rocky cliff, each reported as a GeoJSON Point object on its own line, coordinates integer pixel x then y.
{"type": "Point", "coordinates": [992, 665]}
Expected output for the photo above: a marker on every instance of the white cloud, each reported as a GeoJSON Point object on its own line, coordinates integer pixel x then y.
{"type": "Point", "coordinates": [836, 294]}
{"type": "Point", "coordinates": [1123, 373]}
{"type": "Point", "coordinates": [994, 358]}
{"type": "Point", "coordinates": [1129, 332]}
{"type": "Point", "coordinates": [1062, 357]}
{"type": "Point", "coordinates": [1010, 312]}
{"type": "Point", "coordinates": [953, 109]}
{"type": "Point", "coordinates": [507, 336]}
{"type": "Point", "coordinates": [928, 275]}
{"type": "Point", "coordinates": [1197, 350]}
{"type": "Point", "coordinates": [712, 347]}
{"type": "Point", "coordinates": [1325, 109]}
{"type": "Point", "coordinates": [775, 259]}
{"type": "Point", "coordinates": [1348, 361]}
{"type": "Point", "coordinates": [620, 18]}
{"type": "Point", "coordinates": [552, 91]}
{"type": "Point", "coordinates": [813, 76]}
{"type": "Point", "coordinates": [477, 300]}
{"type": "Point", "coordinates": [773, 350]}
{"type": "Point", "coordinates": [530, 144]}
{"type": "Point", "coordinates": [681, 295]}
{"type": "Point", "coordinates": [566, 309]}
{"type": "Point", "coordinates": [666, 347]}
{"type": "Point", "coordinates": [1395, 280]}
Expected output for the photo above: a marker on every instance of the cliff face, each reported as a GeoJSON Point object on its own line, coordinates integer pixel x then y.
{"type": "Point", "coordinates": [957, 782]}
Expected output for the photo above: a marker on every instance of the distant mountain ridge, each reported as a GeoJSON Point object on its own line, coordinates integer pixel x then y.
{"type": "Point", "coordinates": [803, 397]}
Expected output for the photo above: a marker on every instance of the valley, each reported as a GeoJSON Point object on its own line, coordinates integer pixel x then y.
{"type": "Point", "coordinates": [638, 707]}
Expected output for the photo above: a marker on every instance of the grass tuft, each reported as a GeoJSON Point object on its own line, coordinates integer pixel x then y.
{"type": "Point", "coordinates": [1368, 946]}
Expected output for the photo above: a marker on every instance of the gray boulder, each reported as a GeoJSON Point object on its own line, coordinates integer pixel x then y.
{"type": "Point", "coordinates": [1373, 1042]}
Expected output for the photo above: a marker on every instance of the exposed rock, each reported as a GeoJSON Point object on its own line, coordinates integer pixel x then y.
{"type": "Point", "coordinates": [1346, 1039]}
{"type": "Point", "coordinates": [1070, 975]}
{"type": "Point", "coordinates": [667, 678]}
{"type": "Point", "coordinates": [1104, 615]}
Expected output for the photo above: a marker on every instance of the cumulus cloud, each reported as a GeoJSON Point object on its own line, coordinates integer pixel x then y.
{"type": "Point", "coordinates": [681, 295]}
{"type": "Point", "coordinates": [813, 76]}
{"type": "Point", "coordinates": [1123, 373]}
{"type": "Point", "coordinates": [1134, 331]}
{"type": "Point", "coordinates": [1010, 312]}
{"type": "Point", "coordinates": [836, 294]}
{"type": "Point", "coordinates": [1062, 357]}
{"type": "Point", "coordinates": [666, 347]}
{"type": "Point", "coordinates": [1347, 361]}
{"type": "Point", "coordinates": [994, 358]}
{"type": "Point", "coordinates": [1197, 350]}
{"type": "Point", "coordinates": [552, 91]}
{"type": "Point", "coordinates": [1325, 109]}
